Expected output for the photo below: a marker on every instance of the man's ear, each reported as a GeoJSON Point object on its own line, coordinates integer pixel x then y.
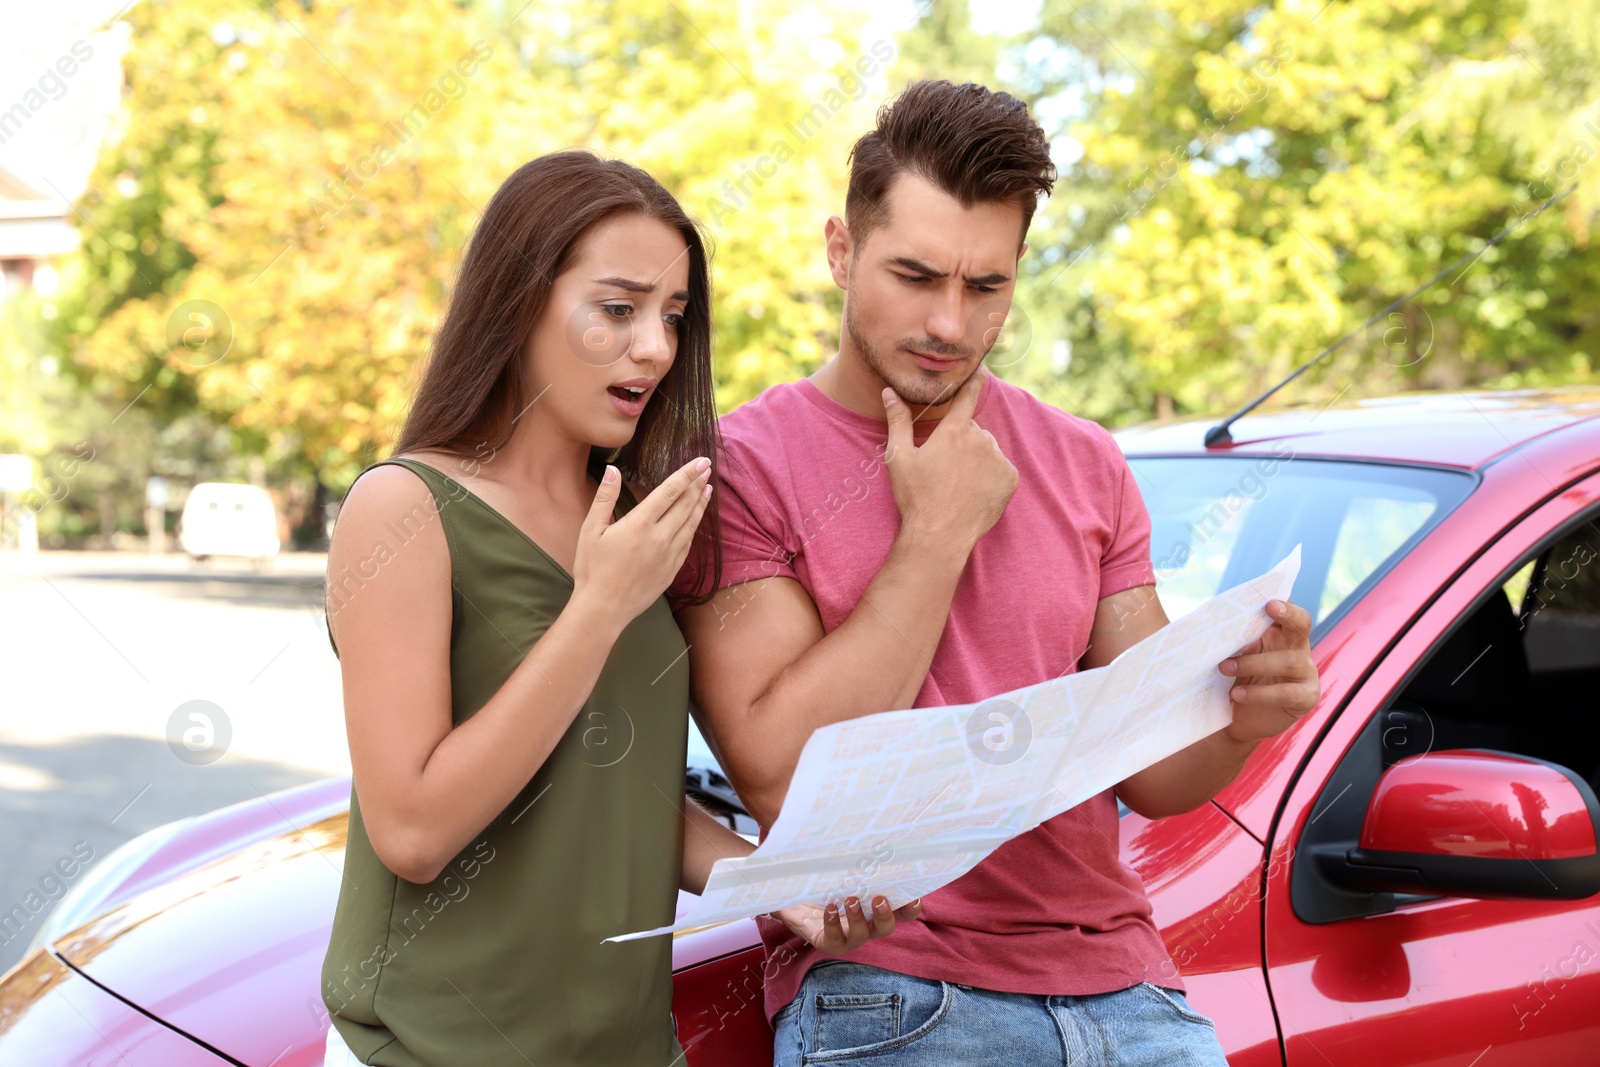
{"type": "Point", "coordinates": [841, 247]}
{"type": "Point", "coordinates": [1021, 251]}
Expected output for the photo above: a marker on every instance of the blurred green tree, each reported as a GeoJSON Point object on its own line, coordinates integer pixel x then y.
{"type": "Point", "coordinates": [942, 43]}
{"type": "Point", "coordinates": [271, 235]}
{"type": "Point", "coordinates": [1257, 179]}
{"type": "Point", "coordinates": [747, 113]}
{"type": "Point", "coordinates": [272, 239]}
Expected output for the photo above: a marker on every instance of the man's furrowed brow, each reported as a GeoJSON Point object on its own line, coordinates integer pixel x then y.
{"type": "Point", "coordinates": [916, 266]}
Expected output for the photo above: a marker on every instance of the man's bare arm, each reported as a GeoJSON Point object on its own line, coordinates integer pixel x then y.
{"type": "Point", "coordinates": [763, 673]}
{"type": "Point", "coordinates": [1264, 704]}
{"type": "Point", "coordinates": [765, 676]}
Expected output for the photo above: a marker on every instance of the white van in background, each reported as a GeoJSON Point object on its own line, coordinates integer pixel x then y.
{"type": "Point", "coordinates": [229, 519]}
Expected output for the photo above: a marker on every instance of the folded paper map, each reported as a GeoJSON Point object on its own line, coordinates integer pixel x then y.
{"type": "Point", "coordinates": [903, 802]}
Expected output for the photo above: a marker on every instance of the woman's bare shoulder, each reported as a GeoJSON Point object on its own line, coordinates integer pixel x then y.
{"type": "Point", "coordinates": [386, 497]}
{"type": "Point", "coordinates": [389, 546]}
{"type": "Point", "coordinates": [386, 484]}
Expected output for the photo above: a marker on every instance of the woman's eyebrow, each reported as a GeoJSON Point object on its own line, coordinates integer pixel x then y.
{"type": "Point", "coordinates": [631, 286]}
{"type": "Point", "coordinates": [627, 284]}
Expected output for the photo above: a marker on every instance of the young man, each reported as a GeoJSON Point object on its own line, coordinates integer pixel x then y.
{"type": "Point", "coordinates": [903, 529]}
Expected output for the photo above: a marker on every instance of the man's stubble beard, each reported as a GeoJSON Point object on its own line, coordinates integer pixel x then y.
{"type": "Point", "coordinates": [921, 389]}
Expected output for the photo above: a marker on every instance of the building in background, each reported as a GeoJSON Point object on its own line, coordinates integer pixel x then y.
{"type": "Point", "coordinates": [35, 228]}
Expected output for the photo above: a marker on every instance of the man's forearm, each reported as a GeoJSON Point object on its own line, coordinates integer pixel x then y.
{"type": "Point", "coordinates": [876, 660]}
{"type": "Point", "coordinates": [1187, 778]}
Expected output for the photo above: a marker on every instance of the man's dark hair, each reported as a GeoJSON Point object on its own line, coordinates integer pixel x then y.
{"type": "Point", "coordinates": [978, 145]}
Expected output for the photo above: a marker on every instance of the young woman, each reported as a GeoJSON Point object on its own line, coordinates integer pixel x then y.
{"type": "Point", "coordinates": [515, 688]}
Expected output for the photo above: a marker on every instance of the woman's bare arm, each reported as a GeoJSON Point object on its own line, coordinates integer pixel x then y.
{"type": "Point", "coordinates": [831, 929]}
{"type": "Point", "coordinates": [425, 788]}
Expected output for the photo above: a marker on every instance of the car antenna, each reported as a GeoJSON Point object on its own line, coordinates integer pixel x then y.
{"type": "Point", "coordinates": [1219, 437]}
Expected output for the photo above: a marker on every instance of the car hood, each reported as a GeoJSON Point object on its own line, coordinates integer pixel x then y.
{"type": "Point", "coordinates": [231, 953]}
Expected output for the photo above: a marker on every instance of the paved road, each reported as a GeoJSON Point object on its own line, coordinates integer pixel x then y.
{"type": "Point", "coordinates": [97, 653]}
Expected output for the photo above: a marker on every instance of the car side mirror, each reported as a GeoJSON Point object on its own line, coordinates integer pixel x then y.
{"type": "Point", "coordinates": [1474, 823]}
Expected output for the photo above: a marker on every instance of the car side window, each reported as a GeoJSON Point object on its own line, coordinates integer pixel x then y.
{"type": "Point", "coordinates": [1519, 675]}
{"type": "Point", "coordinates": [1560, 610]}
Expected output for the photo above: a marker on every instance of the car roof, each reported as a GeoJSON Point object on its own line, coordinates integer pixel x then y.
{"type": "Point", "coordinates": [1465, 429]}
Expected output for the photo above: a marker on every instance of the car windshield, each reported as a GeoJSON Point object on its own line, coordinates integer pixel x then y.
{"type": "Point", "coordinates": [1218, 520]}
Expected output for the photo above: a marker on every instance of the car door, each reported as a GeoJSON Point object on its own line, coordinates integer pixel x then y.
{"type": "Point", "coordinates": [1407, 981]}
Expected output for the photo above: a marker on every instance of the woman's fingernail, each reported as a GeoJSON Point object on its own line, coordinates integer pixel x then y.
{"type": "Point", "coordinates": [1228, 666]}
{"type": "Point", "coordinates": [1237, 692]}
{"type": "Point", "coordinates": [702, 464]}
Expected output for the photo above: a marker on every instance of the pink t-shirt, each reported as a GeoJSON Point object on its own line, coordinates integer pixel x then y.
{"type": "Point", "coordinates": [805, 494]}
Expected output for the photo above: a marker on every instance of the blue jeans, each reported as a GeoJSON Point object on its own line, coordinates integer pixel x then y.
{"type": "Point", "coordinates": [851, 1013]}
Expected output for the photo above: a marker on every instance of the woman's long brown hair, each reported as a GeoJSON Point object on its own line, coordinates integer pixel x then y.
{"type": "Point", "coordinates": [474, 385]}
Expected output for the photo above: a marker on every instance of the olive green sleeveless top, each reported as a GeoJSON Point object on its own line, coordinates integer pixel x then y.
{"type": "Point", "coordinates": [499, 960]}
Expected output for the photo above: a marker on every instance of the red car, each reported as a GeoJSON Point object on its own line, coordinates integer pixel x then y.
{"type": "Point", "coordinates": [1406, 877]}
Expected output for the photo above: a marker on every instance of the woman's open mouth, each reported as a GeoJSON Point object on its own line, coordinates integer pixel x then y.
{"type": "Point", "coordinates": [629, 400]}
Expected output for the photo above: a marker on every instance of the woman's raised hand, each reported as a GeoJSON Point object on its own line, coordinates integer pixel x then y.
{"type": "Point", "coordinates": [824, 930]}
{"type": "Point", "coordinates": [622, 566]}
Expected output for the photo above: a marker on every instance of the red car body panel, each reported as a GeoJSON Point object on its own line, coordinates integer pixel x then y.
{"type": "Point", "coordinates": [1448, 981]}
{"type": "Point", "coordinates": [1202, 872]}
{"type": "Point", "coordinates": [718, 1008]}
{"type": "Point", "coordinates": [221, 933]}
